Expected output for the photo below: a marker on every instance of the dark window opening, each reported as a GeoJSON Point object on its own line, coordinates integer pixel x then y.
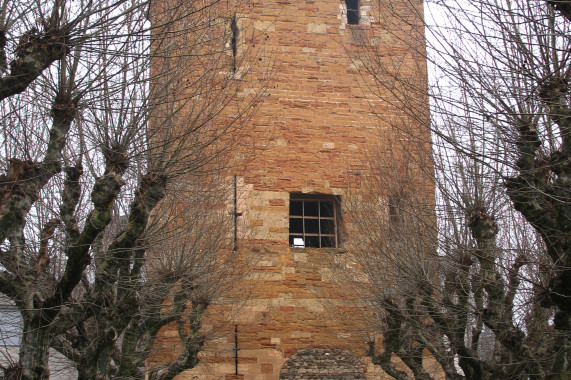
{"type": "Point", "coordinates": [234, 41]}
{"type": "Point", "coordinates": [395, 210]}
{"type": "Point", "coordinates": [314, 221]}
{"type": "Point", "coordinates": [352, 11]}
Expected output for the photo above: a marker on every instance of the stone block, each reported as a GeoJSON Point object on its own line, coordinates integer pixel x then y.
{"type": "Point", "coordinates": [316, 28]}
{"type": "Point", "coordinates": [266, 26]}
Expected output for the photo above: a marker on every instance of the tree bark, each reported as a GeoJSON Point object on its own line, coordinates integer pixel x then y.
{"type": "Point", "coordinates": [35, 52]}
{"type": "Point", "coordinates": [34, 349]}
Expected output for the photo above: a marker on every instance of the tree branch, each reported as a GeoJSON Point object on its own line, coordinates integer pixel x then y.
{"type": "Point", "coordinates": [70, 198]}
{"type": "Point", "coordinates": [20, 186]}
{"type": "Point", "coordinates": [35, 52]}
{"type": "Point", "coordinates": [45, 236]}
{"type": "Point", "coordinates": [103, 195]}
{"type": "Point", "coordinates": [562, 6]}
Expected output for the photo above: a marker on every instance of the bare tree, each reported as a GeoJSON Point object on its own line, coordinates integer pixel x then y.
{"type": "Point", "coordinates": [484, 289]}
{"type": "Point", "coordinates": [114, 115]}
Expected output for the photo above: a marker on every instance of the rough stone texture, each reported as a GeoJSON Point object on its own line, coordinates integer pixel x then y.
{"type": "Point", "coordinates": [317, 363]}
{"type": "Point", "coordinates": [311, 136]}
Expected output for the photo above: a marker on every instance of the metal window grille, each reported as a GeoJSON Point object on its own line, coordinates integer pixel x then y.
{"type": "Point", "coordinates": [313, 221]}
{"type": "Point", "coordinates": [352, 11]}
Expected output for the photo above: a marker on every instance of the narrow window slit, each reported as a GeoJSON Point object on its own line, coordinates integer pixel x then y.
{"type": "Point", "coordinates": [352, 11]}
{"type": "Point", "coordinates": [234, 41]}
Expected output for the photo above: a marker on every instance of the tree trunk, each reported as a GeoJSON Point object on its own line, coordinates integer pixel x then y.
{"type": "Point", "coordinates": [34, 350]}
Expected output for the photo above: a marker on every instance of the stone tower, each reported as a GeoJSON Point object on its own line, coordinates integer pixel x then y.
{"type": "Point", "coordinates": [311, 134]}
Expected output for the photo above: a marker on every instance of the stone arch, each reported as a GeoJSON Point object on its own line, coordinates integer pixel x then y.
{"type": "Point", "coordinates": [321, 363]}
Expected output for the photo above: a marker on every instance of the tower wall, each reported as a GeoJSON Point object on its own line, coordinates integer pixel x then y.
{"type": "Point", "coordinates": [312, 135]}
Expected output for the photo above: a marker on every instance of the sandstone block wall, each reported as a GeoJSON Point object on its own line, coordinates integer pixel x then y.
{"type": "Point", "coordinates": [311, 135]}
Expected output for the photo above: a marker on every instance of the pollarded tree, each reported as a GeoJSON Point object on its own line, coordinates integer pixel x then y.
{"type": "Point", "coordinates": [430, 279]}
{"type": "Point", "coordinates": [488, 293]}
{"type": "Point", "coordinates": [188, 263]}
{"type": "Point", "coordinates": [107, 108]}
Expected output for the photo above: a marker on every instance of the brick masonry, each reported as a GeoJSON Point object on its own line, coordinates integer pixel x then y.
{"type": "Point", "coordinates": [311, 135]}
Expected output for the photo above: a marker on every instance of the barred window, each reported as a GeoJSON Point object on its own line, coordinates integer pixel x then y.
{"type": "Point", "coordinates": [352, 11]}
{"type": "Point", "coordinates": [314, 221]}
